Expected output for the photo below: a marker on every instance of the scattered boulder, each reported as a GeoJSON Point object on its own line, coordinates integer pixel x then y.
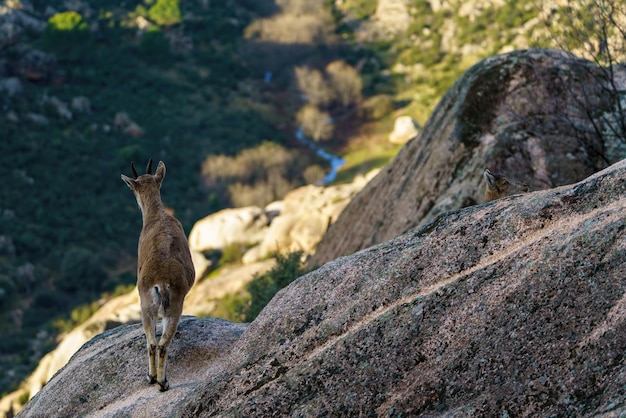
{"type": "Point", "coordinates": [10, 34]}
{"type": "Point", "coordinates": [37, 66]}
{"type": "Point", "coordinates": [404, 129]}
{"type": "Point", "coordinates": [12, 116]}
{"type": "Point", "coordinates": [57, 106]}
{"type": "Point", "coordinates": [81, 104]}
{"type": "Point", "coordinates": [229, 226]}
{"type": "Point", "coordinates": [124, 123]}
{"type": "Point", "coordinates": [12, 86]}
{"type": "Point", "coordinates": [142, 23]}
{"type": "Point", "coordinates": [37, 119]}
{"type": "Point", "coordinates": [14, 21]}
{"type": "Point", "coordinates": [518, 114]}
{"type": "Point", "coordinates": [392, 17]}
{"type": "Point", "coordinates": [511, 308]}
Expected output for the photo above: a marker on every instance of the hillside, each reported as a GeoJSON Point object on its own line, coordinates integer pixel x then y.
{"type": "Point", "coordinates": [512, 308]}
{"type": "Point", "coordinates": [215, 89]}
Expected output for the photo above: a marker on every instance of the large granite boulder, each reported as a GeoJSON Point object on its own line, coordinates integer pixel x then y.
{"type": "Point", "coordinates": [113, 365]}
{"type": "Point", "coordinates": [519, 114]}
{"type": "Point", "coordinates": [304, 217]}
{"type": "Point", "coordinates": [511, 308]}
{"type": "Point", "coordinates": [229, 226]}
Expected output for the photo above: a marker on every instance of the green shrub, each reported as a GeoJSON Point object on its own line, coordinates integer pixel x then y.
{"type": "Point", "coordinates": [23, 398]}
{"type": "Point", "coordinates": [244, 306]}
{"type": "Point", "coordinates": [232, 253]}
{"type": "Point", "coordinates": [232, 306]}
{"type": "Point", "coordinates": [66, 32]}
{"type": "Point", "coordinates": [79, 315]}
{"type": "Point", "coordinates": [263, 287]}
{"type": "Point", "coordinates": [165, 12]}
{"type": "Point", "coordinates": [154, 47]}
{"type": "Point", "coordinates": [66, 21]}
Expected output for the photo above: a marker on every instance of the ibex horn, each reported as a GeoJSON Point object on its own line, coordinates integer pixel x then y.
{"type": "Point", "coordinates": [149, 168]}
{"type": "Point", "coordinates": [132, 167]}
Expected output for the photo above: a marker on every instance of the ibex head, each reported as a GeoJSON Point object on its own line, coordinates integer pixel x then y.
{"type": "Point", "coordinates": [146, 187]}
{"type": "Point", "coordinates": [499, 185]}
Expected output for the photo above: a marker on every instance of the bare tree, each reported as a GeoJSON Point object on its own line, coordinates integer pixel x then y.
{"type": "Point", "coordinates": [315, 123]}
{"type": "Point", "coordinates": [596, 30]}
{"type": "Point", "coordinates": [346, 82]}
{"type": "Point", "coordinates": [312, 84]}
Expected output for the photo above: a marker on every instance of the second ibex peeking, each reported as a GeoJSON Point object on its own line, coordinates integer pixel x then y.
{"type": "Point", "coordinates": [165, 272]}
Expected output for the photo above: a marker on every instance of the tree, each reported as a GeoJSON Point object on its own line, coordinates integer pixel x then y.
{"type": "Point", "coordinates": [316, 124]}
{"type": "Point", "coordinates": [345, 81]}
{"type": "Point", "coordinates": [312, 84]}
{"type": "Point", "coordinates": [165, 12]}
{"type": "Point", "coordinates": [67, 21]}
{"type": "Point", "coordinates": [596, 30]}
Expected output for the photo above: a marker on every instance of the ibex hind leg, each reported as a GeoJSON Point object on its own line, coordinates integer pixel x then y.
{"type": "Point", "coordinates": [149, 326]}
{"type": "Point", "coordinates": [170, 324]}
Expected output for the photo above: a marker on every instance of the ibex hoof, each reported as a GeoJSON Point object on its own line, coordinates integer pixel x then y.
{"type": "Point", "coordinates": [151, 379]}
{"type": "Point", "coordinates": [164, 386]}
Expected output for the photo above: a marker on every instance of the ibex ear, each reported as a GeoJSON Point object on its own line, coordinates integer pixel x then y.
{"type": "Point", "coordinates": [490, 176]}
{"type": "Point", "coordinates": [160, 173]}
{"type": "Point", "coordinates": [129, 182]}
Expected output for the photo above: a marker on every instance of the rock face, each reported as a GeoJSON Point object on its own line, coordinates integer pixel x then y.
{"type": "Point", "coordinates": [228, 226]}
{"type": "Point", "coordinates": [517, 114]}
{"type": "Point", "coordinates": [512, 308]}
{"type": "Point", "coordinates": [113, 364]}
{"type": "Point", "coordinates": [297, 223]}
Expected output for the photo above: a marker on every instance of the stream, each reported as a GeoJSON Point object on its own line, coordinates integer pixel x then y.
{"type": "Point", "coordinates": [335, 161]}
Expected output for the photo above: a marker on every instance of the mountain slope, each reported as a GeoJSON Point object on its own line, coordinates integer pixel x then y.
{"type": "Point", "coordinates": [515, 307]}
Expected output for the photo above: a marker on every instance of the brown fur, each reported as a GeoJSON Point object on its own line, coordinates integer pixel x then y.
{"type": "Point", "coordinates": [165, 272]}
{"type": "Point", "coordinates": [499, 185]}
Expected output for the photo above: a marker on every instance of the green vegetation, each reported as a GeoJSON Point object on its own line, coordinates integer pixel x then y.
{"type": "Point", "coordinates": [165, 12]}
{"type": "Point", "coordinates": [66, 22]}
{"type": "Point", "coordinates": [245, 306]}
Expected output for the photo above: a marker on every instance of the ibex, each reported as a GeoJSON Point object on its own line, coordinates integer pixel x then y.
{"type": "Point", "coordinates": [499, 185]}
{"type": "Point", "coordinates": [165, 272]}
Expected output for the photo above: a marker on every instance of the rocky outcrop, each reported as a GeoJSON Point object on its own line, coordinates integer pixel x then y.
{"type": "Point", "coordinates": [297, 223]}
{"type": "Point", "coordinates": [228, 226]}
{"type": "Point", "coordinates": [404, 129]}
{"type": "Point", "coordinates": [125, 124]}
{"type": "Point", "coordinates": [118, 356]}
{"type": "Point", "coordinates": [125, 309]}
{"type": "Point", "coordinates": [392, 17]}
{"type": "Point", "coordinates": [518, 114]}
{"type": "Point", "coordinates": [511, 308]}
{"type": "Point", "coordinates": [304, 217]}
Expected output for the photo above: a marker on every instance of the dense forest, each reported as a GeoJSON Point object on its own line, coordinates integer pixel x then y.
{"type": "Point", "coordinates": [217, 90]}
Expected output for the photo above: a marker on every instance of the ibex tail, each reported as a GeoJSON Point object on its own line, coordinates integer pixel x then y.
{"type": "Point", "coordinates": [161, 297]}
